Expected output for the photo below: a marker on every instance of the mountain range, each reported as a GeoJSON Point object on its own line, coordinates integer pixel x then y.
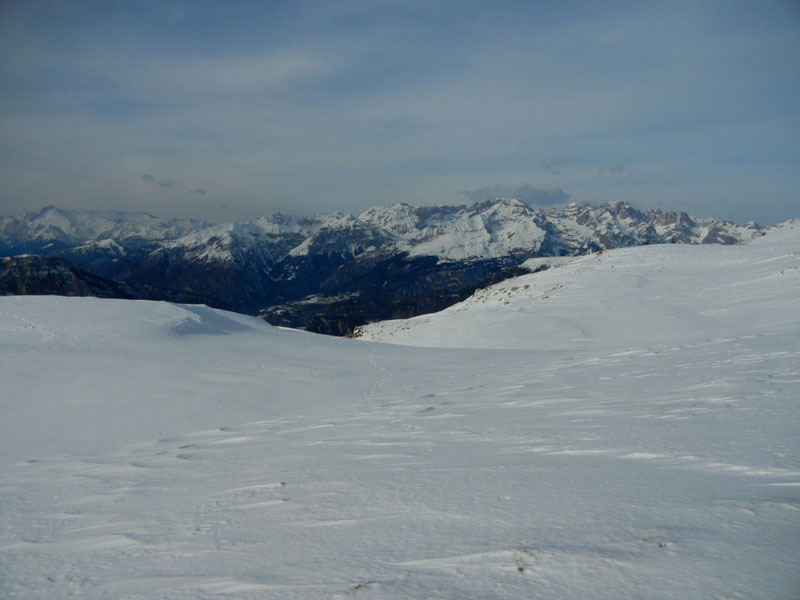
{"type": "Point", "coordinates": [331, 273]}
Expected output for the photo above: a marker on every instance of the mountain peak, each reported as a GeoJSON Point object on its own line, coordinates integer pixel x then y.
{"type": "Point", "coordinates": [491, 203]}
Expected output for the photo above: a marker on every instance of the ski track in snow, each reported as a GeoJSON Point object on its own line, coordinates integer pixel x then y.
{"type": "Point", "coordinates": [256, 463]}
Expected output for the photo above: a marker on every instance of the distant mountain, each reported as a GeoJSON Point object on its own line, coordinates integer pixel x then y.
{"type": "Point", "coordinates": [49, 229]}
{"type": "Point", "coordinates": [333, 272]}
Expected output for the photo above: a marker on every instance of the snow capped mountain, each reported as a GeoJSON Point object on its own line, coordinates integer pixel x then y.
{"type": "Point", "coordinates": [277, 234]}
{"type": "Point", "coordinates": [500, 227]}
{"type": "Point", "coordinates": [343, 235]}
{"type": "Point", "coordinates": [51, 227]}
{"type": "Point", "coordinates": [383, 256]}
{"type": "Point", "coordinates": [488, 229]}
{"type": "Point", "coordinates": [622, 426]}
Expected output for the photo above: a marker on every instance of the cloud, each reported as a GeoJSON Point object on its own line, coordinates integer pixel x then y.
{"type": "Point", "coordinates": [537, 196]}
{"type": "Point", "coordinates": [316, 107]}
{"type": "Point", "coordinates": [197, 191]}
{"type": "Point", "coordinates": [558, 165]}
{"type": "Point", "coordinates": [162, 183]}
{"type": "Point", "coordinates": [618, 170]}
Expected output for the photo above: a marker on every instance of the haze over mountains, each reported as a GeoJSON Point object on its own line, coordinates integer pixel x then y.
{"type": "Point", "coordinates": [330, 273]}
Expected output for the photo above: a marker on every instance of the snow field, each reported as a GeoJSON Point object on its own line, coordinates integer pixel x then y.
{"type": "Point", "coordinates": [149, 450]}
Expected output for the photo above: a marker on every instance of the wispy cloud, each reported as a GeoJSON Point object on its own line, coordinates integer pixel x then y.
{"type": "Point", "coordinates": [537, 196]}
{"type": "Point", "coordinates": [619, 170]}
{"type": "Point", "coordinates": [162, 183]}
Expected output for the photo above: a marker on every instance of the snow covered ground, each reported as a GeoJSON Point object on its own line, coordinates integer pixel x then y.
{"type": "Point", "coordinates": [626, 426]}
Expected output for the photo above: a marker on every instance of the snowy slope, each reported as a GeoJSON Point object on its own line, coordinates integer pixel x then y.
{"type": "Point", "coordinates": [630, 297]}
{"type": "Point", "coordinates": [152, 450]}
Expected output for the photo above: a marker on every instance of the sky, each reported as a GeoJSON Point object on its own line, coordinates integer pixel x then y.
{"type": "Point", "coordinates": [238, 109]}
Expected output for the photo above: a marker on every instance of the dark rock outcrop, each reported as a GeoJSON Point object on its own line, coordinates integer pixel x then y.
{"type": "Point", "coordinates": [51, 276]}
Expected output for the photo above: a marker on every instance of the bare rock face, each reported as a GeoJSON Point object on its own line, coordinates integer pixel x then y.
{"type": "Point", "coordinates": [52, 276]}
{"type": "Point", "coordinates": [36, 275]}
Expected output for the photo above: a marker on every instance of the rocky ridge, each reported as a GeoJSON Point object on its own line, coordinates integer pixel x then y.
{"type": "Point", "coordinates": [51, 276]}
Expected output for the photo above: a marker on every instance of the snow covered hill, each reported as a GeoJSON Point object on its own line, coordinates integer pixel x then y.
{"type": "Point", "coordinates": [626, 297]}
{"type": "Point", "coordinates": [639, 446]}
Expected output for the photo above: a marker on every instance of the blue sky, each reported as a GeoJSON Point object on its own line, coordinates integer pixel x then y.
{"type": "Point", "coordinates": [232, 110]}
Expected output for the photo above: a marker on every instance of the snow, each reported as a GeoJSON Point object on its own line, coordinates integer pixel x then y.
{"type": "Point", "coordinates": [485, 230]}
{"type": "Point", "coordinates": [625, 427]}
{"type": "Point", "coordinates": [339, 233]}
{"type": "Point", "coordinates": [541, 263]}
{"type": "Point", "coordinates": [218, 243]}
{"type": "Point", "coordinates": [624, 298]}
{"type": "Point", "coordinates": [336, 221]}
{"type": "Point", "coordinates": [108, 244]}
